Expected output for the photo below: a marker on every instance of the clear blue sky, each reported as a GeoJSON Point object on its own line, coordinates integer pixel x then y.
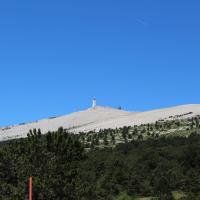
{"type": "Point", "coordinates": [56, 55]}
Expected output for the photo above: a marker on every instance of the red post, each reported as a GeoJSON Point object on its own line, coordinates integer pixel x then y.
{"type": "Point", "coordinates": [30, 188]}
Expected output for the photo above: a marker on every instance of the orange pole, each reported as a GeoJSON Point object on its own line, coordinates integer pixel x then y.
{"type": "Point", "coordinates": [30, 188]}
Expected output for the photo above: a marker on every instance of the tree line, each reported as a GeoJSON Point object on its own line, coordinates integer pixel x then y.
{"type": "Point", "coordinates": [63, 168]}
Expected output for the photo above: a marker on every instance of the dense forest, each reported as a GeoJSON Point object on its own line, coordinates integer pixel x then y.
{"type": "Point", "coordinates": [64, 167]}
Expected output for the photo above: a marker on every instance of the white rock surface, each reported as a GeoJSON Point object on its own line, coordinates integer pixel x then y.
{"type": "Point", "coordinates": [99, 118]}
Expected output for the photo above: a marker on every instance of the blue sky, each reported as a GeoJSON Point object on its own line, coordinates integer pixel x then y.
{"type": "Point", "coordinates": [56, 55]}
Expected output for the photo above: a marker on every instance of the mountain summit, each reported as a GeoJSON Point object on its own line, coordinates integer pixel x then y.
{"type": "Point", "coordinates": [98, 117]}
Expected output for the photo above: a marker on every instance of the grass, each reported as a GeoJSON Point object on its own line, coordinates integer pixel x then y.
{"type": "Point", "coordinates": [125, 196]}
{"type": "Point", "coordinates": [146, 198]}
{"type": "Point", "coordinates": [178, 195]}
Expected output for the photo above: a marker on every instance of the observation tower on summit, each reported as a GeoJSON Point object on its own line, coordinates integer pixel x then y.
{"type": "Point", "coordinates": [94, 103]}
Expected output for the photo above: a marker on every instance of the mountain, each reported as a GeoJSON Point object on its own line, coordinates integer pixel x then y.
{"type": "Point", "coordinates": [99, 118]}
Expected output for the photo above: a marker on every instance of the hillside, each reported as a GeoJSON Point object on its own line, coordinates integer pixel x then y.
{"type": "Point", "coordinates": [141, 157]}
{"type": "Point", "coordinates": [99, 118]}
{"type": "Point", "coordinates": [166, 168]}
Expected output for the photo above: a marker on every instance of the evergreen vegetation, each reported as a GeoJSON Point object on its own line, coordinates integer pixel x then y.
{"type": "Point", "coordinates": [125, 163]}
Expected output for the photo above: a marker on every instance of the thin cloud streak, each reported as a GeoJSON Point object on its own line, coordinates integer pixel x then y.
{"type": "Point", "coordinates": [144, 23]}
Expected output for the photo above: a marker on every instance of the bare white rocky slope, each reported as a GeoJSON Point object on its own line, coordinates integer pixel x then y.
{"type": "Point", "coordinates": [99, 118]}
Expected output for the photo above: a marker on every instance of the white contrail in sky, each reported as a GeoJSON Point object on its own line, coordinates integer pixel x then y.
{"type": "Point", "coordinates": [144, 23]}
